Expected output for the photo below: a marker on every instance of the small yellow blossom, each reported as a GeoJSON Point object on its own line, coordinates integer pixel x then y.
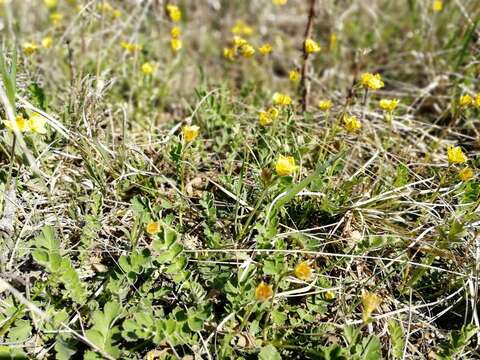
{"type": "Point", "coordinates": [50, 3]}
{"type": "Point", "coordinates": [466, 174]}
{"type": "Point", "coordinates": [370, 303]}
{"type": "Point", "coordinates": [285, 165]}
{"type": "Point", "coordinates": [36, 124]}
{"type": "Point", "coordinates": [303, 271]}
{"type": "Point", "coordinates": [311, 46]}
{"type": "Point", "coordinates": [241, 28]}
{"type": "Point", "coordinates": [294, 75]}
{"type": "Point", "coordinates": [130, 47]}
{"type": "Point", "coordinates": [175, 32]}
{"type": "Point", "coordinates": [477, 100]}
{"type": "Point", "coordinates": [263, 291]}
{"type": "Point", "coordinates": [325, 105]}
{"type": "Point", "coordinates": [239, 41]}
{"type": "Point", "coordinates": [333, 41]}
{"type": "Point", "coordinates": [174, 13]}
{"type": "Point", "coordinates": [273, 112]}
{"type": "Point", "coordinates": [190, 132]}
{"type": "Point", "coordinates": [56, 18]}
{"type": "Point", "coordinates": [455, 155]}
{"type": "Point", "coordinates": [388, 104]}
{"type": "Point", "coordinates": [20, 124]}
{"type": "Point", "coordinates": [437, 5]}
{"type": "Point", "coordinates": [148, 69]}
{"type": "Point", "coordinates": [279, 2]}
{"type": "Point", "coordinates": [372, 81]}
{"type": "Point", "coordinates": [329, 295]}
{"type": "Point", "coordinates": [229, 53]}
{"type": "Point", "coordinates": [153, 227]}
{"type": "Point", "coordinates": [265, 49]}
{"type": "Point", "coordinates": [247, 50]}
{"type": "Point", "coordinates": [281, 99]}
{"type": "Point", "coordinates": [264, 118]}
{"type": "Point", "coordinates": [47, 42]}
{"type": "Point", "coordinates": [176, 44]}
{"type": "Point", "coordinates": [117, 13]}
{"type": "Point", "coordinates": [352, 124]}
{"type": "Point", "coordinates": [29, 48]}
{"type": "Point", "coordinates": [465, 100]}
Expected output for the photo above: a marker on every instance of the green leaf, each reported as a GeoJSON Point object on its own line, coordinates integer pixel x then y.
{"type": "Point", "coordinates": [397, 338]}
{"type": "Point", "coordinates": [269, 352]}
{"type": "Point", "coordinates": [20, 332]}
{"type": "Point", "coordinates": [65, 348]}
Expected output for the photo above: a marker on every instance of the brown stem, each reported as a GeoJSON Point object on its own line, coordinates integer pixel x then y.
{"type": "Point", "coordinates": [305, 84]}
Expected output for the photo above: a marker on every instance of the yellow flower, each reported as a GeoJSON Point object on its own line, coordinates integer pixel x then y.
{"type": "Point", "coordinates": [36, 123]}
{"type": "Point", "coordinates": [325, 105]}
{"type": "Point", "coordinates": [248, 50]}
{"type": "Point", "coordinates": [372, 81]}
{"type": "Point", "coordinates": [174, 13]}
{"type": "Point", "coordinates": [333, 41]}
{"type": "Point", "coordinates": [47, 42]}
{"type": "Point", "coordinates": [265, 49]}
{"type": "Point", "coordinates": [264, 118]}
{"type": "Point", "coordinates": [311, 46]}
{"type": "Point", "coordinates": [116, 13]}
{"type": "Point", "coordinates": [388, 104]}
{"type": "Point", "coordinates": [466, 174]}
{"type": "Point", "coordinates": [281, 99]}
{"type": "Point", "coordinates": [229, 53]}
{"type": "Point", "coordinates": [279, 2]}
{"type": "Point", "coordinates": [437, 5]}
{"type": "Point", "coordinates": [20, 124]}
{"type": "Point", "coordinates": [352, 124]}
{"type": "Point", "coordinates": [190, 132]}
{"type": "Point", "coordinates": [273, 112]}
{"type": "Point", "coordinates": [104, 7]}
{"type": "Point", "coordinates": [285, 165]}
{"type": "Point", "coordinates": [294, 75]}
{"type": "Point", "coordinates": [148, 69]}
{"type": "Point", "coordinates": [263, 291]}
{"type": "Point", "coordinates": [239, 41]}
{"type": "Point", "coordinates": [176, 44]}
{"type": "Point", "coordinates": [465, 100]}
{"type": "Point", "coordinates": [153, 227]}
{"type": "Point", "coordinates": [303, 271]}
{"type": "Point", "coordinates": [370, 303]}
{"type": "Point", "coordinates": [329, 295]}
{"type": "Point", "coordinates": [130, 47]}
{"type": "Point", "coordinates": [241, 28]}
{"type": "Point", "coordinates": [56, 18]}
{"type": "Point", "coordinates": [175, 32]}
{"type": "Point", "coordinates": [50, 3]}
{"type": "Point", "coordinates": [29, 48]}
{"type": "Point", "coordinates": [455, 155]}
{"type": "Point", "coordinates": [477, 100]}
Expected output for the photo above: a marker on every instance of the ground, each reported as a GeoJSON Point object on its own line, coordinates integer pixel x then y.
{"type": "Point", "coordinates": [261, 179]}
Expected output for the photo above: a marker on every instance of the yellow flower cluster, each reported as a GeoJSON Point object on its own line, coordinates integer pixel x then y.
{"type": "Point", "coordinates": [466, 174]}
{"type": "Point", "coordinates": [285, 165]}
{"type": "Point", "coordinates": [437, 5]}
{"type": "Point", "coordinates": [240, 46]}
{"type": "Point", "coordinates": [371, 81]}
{"type": "Point", "coordinates": [190, 132]}
{"type": "Point", "coordinates": [351, 124]}
{"type": "Point", "coordinates": [265, 49]}
{"type": "Point", "coordinates": [174, 13]}
{"type": "Point", "coordinates": [242, 28]}
{"type": "Point", "coordinates": [148, 68]}
{"type": "Point", "coordinates": [388, 104]}
{"type": "Point", "coordinates": [303, 271]}
{"type": "Point", "coordinates": [466, 100]}
{"type": "Point", "coordinates": [294, 75]}
{"type": "Point", "coordinates": [455, 155]}
{"type": "Point", "coordinates": [266, 117]}
{"type": "Point", "coordinates": [325, 105]}
{"type": "Point", "coordinates": [153, 227]}
{"type": "Point", "coordinates": [35, 123]}
{"type": "Point", "coordinates": [279, 2]}
{"type": "Point", "coordinates": [311, 46]}
{"type": "Point", "coordinates": [281, 99]}
{"type": "Point", "coordinates": [131, 48]}
{"type": "Point", "coordinates": [263, 291]}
